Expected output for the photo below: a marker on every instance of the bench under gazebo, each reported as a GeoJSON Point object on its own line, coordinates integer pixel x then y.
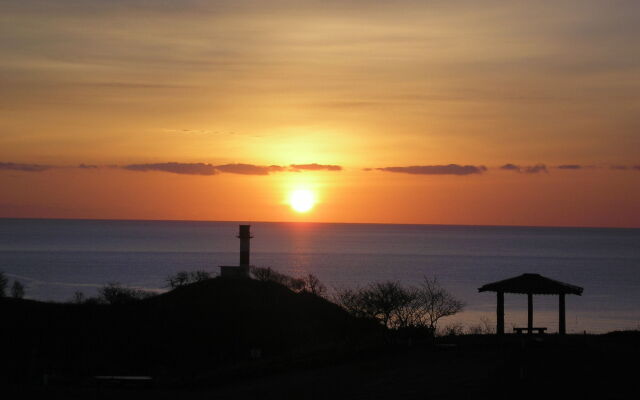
{"type": "Point", "coordinates": [531, 284]}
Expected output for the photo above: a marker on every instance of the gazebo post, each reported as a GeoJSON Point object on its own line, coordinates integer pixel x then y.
{"type": "Point", "coordinates": [500, 314]}
{"type": "Point", "coordinates": [562, 327]}
{"type": "Point", "coordinates": [530, 313]}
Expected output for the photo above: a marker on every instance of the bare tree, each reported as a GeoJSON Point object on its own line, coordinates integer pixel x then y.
{"type": "Point", "coordinates": [485, 327]}
{"type": "Point", "coordinates": [267, 274]}
{"type": "Point", "coordinates": [313, 285]}
{"type": "Point", "coordinates": [388, 302]}
{"type": "Point", "coordinates": [398, 307]}
{"type": "Point", "coordinates": [179, 279]}
{"type": "Point", "coordinates": [17, 290]}
{"type": "Point", "coordinates": [199, 276]}
{"type": "Point", "coordinates": [78, 297]}
{"type": "Point", "coordinates": [3, 284]}
{"type": "Point", "coordinates": [113, 293]}
{"type": "Point", "coordinates": [351, 301]}
{"type": "Point", "coordinates": [262, 273]}
{"type": "Point", "coordinates": [183, 278]}
{"type": "Point", "coordinates": [437, 302]}
{"type": "Point", "coordinates": [385, 299]}
{"type": "Point", "coordinates": [454, 329]}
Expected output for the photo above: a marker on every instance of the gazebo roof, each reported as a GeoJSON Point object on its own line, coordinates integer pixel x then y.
{"type": "Point", "coordinates": [531, 283]}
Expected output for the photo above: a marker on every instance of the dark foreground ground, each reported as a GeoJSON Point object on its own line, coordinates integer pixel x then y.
{"type": "Point", "coordinates": [197, 342]}
{"type": "Point", "coordinates": [590, 367]}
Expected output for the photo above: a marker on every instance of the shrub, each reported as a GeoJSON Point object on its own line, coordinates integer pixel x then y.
{"type": "Point", "coordinates": [308, 284]}
{"type": "Point", "coordinates": [114, 293]}
{"type": "Point", "coordinates": [267, 274]}
{"type": "Point", "coordinates": [184, 278]}
{"type": "Point", "coordinates": [485, 327]}
{"type": "Point", "coordinates": [454, 329]}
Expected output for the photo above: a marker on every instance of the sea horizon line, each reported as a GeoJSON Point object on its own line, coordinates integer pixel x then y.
{"type": "Point", "coordinates": [321, 223]}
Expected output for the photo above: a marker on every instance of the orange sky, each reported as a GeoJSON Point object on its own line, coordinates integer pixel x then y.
{"type": "Point", "coordinates": [164, 98]}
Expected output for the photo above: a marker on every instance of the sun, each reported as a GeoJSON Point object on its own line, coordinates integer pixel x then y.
{"type": "Point", "coordinates": [302, 200]}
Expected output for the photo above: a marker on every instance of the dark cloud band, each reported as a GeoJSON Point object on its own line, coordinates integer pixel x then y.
{"type": "Point", "coordinates": [527, 169]}
{"type": "Point", "coordinates": [451, 169]}
{"type": "Point", "coordinates": [23, 167]}
{"type": "Point", "coordinates": [175, 168]}
{"type": "Point", "coordinates": [315, 167]}
{"type": "Point", "coordinates": [569, 166]}
{"type": "Point", "coordinates": [238, 168]}
{"type": "Point", "coordinates": [248, 169]}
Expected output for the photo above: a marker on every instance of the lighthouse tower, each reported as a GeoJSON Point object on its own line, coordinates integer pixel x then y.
{"type": "Point", "coordinates": [242, 270]}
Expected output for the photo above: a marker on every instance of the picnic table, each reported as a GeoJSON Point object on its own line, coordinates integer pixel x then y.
{"type": "Point", "coordinates": [539, 331]}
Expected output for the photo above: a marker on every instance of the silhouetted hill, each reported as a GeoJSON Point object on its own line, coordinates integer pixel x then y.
{"type": "Point", "coordinates": [196, 341]}
{"type": "Point", "coordinates": [195, 328]}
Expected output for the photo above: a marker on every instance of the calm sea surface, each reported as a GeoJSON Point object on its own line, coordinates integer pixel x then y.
{"type": "Point", "coordinates": [55, 258]}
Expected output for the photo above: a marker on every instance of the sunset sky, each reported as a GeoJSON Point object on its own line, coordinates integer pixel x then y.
{"type": "Point", "coordinates": [406, 111]}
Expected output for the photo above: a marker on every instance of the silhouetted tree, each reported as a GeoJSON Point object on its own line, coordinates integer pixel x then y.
{"type": "Point", "coordinates": [267, 274]}
{"type": "Point", "coordinates": [198, 276]}
{"type": "Point", "coordinates": [351, 301]}
{"type": "Point", "coordinates": [388, 302]}
{"type": "Point", "coordinates": [485, 327]}
{"type": "Point", "coordinates": [454, 329]}
{"type": "Point", "coordinates": [17, 290]}
{"type": "Point", "coordinates": [3, 284]}
{"type": "Point", "coordinates": [179, 279]}
{"type": "Point", "coordinates": [437, 302]}
{"type": "Point", "coordinates": [313, 285]}
{"type": "Point", "coordinates": [113, 293]}
{"type": "Point", "coordinates": [78, 297]}
{"type": "Point", "coordinates": [184, 278]}
{"type": "Point", "coordinates": [398, 307]}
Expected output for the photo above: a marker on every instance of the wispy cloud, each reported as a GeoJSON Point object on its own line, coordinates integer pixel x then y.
{"type": "Point", "coordinates": [234, 168]}
{"type": "Point", "coordinates": [510, 167]}
{"type": "Point", "coordinates": [569, 166]}
{"type": "Point", "coordinates": [248, 169]}
{"type": "Point", "coordinates": [88, 166]}
{"type": "Point", "coordinates": [451, 169]}
{"type": "Point", "coordinates": [315, 167]}
{"type": "Point", "coordinates": [9, 166]}
{"type": "Point", "coordinates": [625, 167]}
{"type": "Point", "coordinates": [175, 168]}
{"type": "Point", "coordinates": [526, 169]}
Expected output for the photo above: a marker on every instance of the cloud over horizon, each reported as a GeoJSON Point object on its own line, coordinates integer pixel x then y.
{"type": "Point", "coordinates": [175, 168]}
{"type": "Point", "coordinates": [207, 169]}
{"type": "Point", "coordinates": [315, 167]}
{"type": "Point", "coordinates": [451, 169]}
{"type": "Point", "coordinates": [248, 169]}
{"type": "Point", "coordinates": [624, 167]}
{"type": "Point", "coordinates": [569, 166]}
{"type": "Point", "coordinates": [9, 166]}
{"type": "Point", "coordinates": [234, 168]}
{"type": "Point", "coordinates": [527, 169]}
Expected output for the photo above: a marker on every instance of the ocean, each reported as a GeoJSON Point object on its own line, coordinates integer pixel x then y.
{"type": "Point", "coordinates": [55, 258]}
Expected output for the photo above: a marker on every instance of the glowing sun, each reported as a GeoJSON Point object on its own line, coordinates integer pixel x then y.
{"type": "Point", "coordinates": [302, 200]}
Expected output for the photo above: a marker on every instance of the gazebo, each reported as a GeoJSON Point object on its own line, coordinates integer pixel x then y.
{"type": "Point", "coordinates": [531, 284]}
